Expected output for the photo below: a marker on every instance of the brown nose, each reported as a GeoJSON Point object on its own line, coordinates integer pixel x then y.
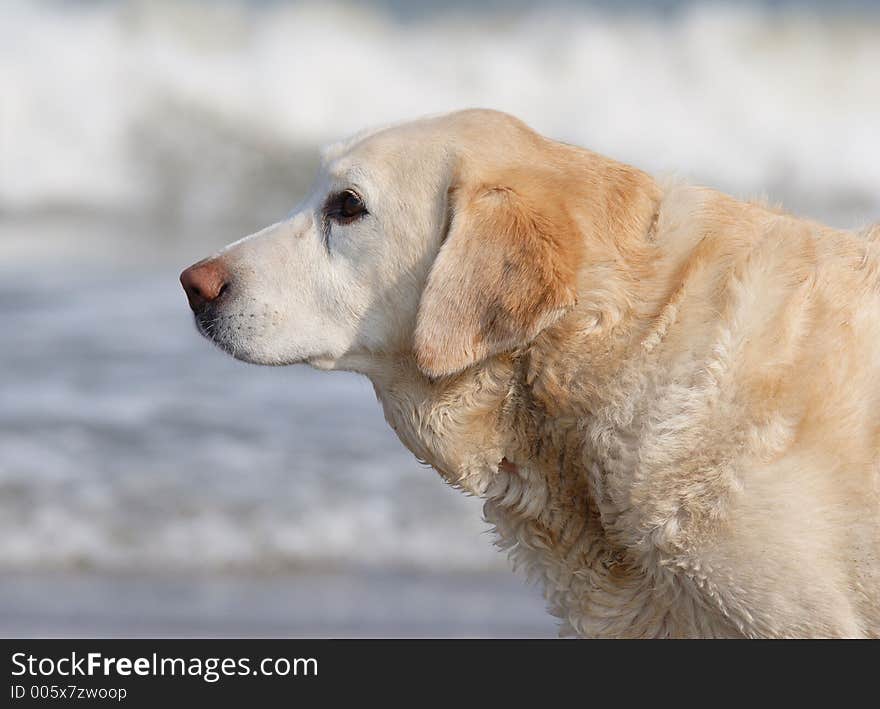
{"type": "Point", "coordinates": [204, 282]}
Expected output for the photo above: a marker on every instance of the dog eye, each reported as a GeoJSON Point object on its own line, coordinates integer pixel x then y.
{"type": "Point", "coordinates": [346, 207]}
{"type": "Point", "coordinates": [352, 205]}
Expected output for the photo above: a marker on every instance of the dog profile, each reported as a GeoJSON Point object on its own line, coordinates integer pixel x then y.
{"type": "Point", "coordinates": [668, 398]}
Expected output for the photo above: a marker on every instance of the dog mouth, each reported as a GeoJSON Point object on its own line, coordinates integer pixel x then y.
{"type": "Point", "coordinates": [215, 328]}
{"type": "Point", "coordinates": [212, 329]}
{"type": "Point", "coordinates": [209, 325]}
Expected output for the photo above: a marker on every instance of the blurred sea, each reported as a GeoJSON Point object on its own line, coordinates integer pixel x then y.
{"type": "Point", "coordinates": [149, 484]}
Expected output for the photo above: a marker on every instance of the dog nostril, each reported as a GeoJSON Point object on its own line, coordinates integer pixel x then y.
{"type": "Point", "coordinates": [204, 282]}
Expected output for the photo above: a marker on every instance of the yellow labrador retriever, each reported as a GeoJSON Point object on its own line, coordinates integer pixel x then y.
{"type": "Point", "coordinates": [669, 399]}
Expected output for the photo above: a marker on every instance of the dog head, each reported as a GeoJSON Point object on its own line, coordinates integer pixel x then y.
{"type": "Point", "coordinates": [449, 239]}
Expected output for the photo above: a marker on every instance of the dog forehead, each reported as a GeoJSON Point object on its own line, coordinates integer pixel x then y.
{"type": "Point", "coordinates": [413, 152]}
{"type": "Point", "coordinates": [388, 157]}
{"type": "Point", "coordinates": [391, 137]}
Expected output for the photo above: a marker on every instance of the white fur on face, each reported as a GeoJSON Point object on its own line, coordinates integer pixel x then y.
{"type": "Point", "coordinates": [334, 295]}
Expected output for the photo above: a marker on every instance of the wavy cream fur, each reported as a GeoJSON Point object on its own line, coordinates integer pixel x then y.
{"type": "Point", "coordinates": [668, 398]}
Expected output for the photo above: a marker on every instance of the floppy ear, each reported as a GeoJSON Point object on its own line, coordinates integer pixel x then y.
{"type": "Point", "coordinates": [507, 270]}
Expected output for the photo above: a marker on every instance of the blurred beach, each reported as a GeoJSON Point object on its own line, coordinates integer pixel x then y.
{"type": "Point", "coordinates": [150, 485]}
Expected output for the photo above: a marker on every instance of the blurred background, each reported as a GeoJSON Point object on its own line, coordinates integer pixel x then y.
{"type": "Point", "coordinates": [150, 485]}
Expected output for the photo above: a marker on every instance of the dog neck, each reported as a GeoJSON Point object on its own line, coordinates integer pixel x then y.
{"type": "Point", "coordinates": [506, 431]}
{"type": "Point", "coordinates": [493, 432]}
